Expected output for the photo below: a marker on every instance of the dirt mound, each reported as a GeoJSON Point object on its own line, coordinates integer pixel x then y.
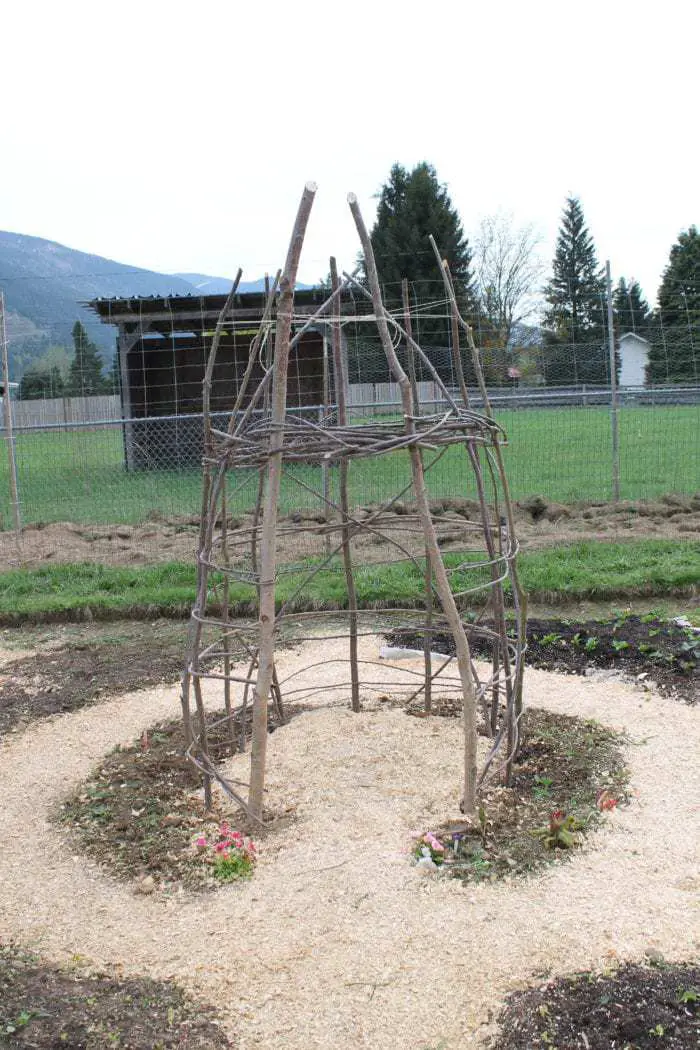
{"type": "Point", "coordinates": [303, 533]}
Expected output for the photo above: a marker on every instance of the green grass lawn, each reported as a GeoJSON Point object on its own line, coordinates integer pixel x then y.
{"type": "Point", "coordinates": [564, 454]}
{"type": "Point", "coordinates": [586, 570]}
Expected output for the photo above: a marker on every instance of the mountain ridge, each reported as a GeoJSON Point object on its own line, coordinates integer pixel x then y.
{"type": "Point", "coordinates": [45, 281]}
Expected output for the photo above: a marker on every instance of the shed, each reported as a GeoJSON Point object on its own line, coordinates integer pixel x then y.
{"type": "Point", "coordinates": [163, 345]}
{"type": "Point", "coordinates": [634, 356]}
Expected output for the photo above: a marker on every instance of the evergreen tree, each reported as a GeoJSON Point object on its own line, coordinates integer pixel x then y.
{"type": "Point", "coordinates": [675, 355]}
{"type": "Point", "coordinates": [574, 321]}
{"type": "Point", "coordinates": [632, 313]}
{"type": "Point", "coordinates": [413, 205]}
{"type": "Point", "coordinates": [113, 383]}
{"type": "Point", "coordinates": [85, 375]}
{"type": "Point", "coordinates": [38, 383]}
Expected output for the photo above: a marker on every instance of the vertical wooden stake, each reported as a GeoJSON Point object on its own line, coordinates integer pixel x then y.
{"type": "Point", "coordinates": [442, 582]}
{"type": "Point", "coordinates": [341, 391]}
{"type": "Point", "coordinates": [268, 553]}
{"type": "Point", "coordinates": [428, 574]}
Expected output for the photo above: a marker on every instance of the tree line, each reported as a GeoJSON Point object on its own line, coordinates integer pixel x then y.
{"type": "Point", "coordinates": [56, 374]}
{"type": "Point", "coordinates": [501, 285]}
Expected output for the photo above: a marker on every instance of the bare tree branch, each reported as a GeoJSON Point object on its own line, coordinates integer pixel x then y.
{"type": "Point", "coordinates": [508, 272]}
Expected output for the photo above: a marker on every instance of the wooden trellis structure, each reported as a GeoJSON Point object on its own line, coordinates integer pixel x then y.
{"type": "Point", "coordinates": [265, 441]}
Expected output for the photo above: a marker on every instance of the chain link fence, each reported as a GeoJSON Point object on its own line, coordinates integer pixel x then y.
{"type": "Point", "coordinates": [128, 491]}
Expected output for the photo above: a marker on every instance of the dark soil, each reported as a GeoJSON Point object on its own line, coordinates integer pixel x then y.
{"type": "Point", "coordinates": [46, 1008]}
{"type": "Point", "coordinates": [635, 1008]}
{"type": "Point", "coordinates": [659, 650]}
{"type": "Point", "coordinates": [93, 663]}
{"type": "Point", "coordinates": [565, 765]}
{"type": "Point", "coordinates": [140, 810]}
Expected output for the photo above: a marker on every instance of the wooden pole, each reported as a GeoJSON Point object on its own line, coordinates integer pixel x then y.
{"type": "Point", "coordinates": [268, 553]}
{"type": "Point", "coordinates": [614, 422]}
{"type": "Point", "coordinates": [442, 582]}
{"type": "Point", "coordinates": [325, 469]}
{"type": "Point", "coordinates": [9, 435]}
{"type": "Point", "coordinates": [341, 390]}
{"type": "Point", "coordinates": [428, 573]}
{"type": "Point", "coordinates": [519, 595]}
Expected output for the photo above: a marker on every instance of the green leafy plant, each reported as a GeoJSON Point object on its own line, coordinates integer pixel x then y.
{"type": "Point", "coordinates": [619, 644]}
{"type": "Point", "coordinates": [688, 995]}
{"type": "Point", "coordinates": [560, 833]}
{"type": "Point", "coordinates": [542, 787]}
{"type": "Point", "coordinates": [550, 639]}
{"type": "Point", "coordinates": [591, 644]}
{"type": "Point", "coordinates": [21, 1021]}
{"type": "Point", "coordinates": [231, 855]}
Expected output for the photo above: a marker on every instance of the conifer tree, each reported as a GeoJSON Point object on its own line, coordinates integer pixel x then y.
{"type": "Point", "coordinates": [675, 355]}
{"type": "Point", "coordinates": [85, 374]}
{"type": "Point", "coordinates": [412, 205]}
{"type": "Point", "coordinates": [632, 313]}
{"type": "Point", "coordinates": [574, 321]}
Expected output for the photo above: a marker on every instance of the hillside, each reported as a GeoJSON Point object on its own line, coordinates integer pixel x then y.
{"type": "Point", "coordinates": [44, 281]}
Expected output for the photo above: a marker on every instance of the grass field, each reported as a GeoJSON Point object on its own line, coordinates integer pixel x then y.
{"type": "Point", "coordinates": [581, 571]}
{"type": "Point", "coordinates": [564, 454]}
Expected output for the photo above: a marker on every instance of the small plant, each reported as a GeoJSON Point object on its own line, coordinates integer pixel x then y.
{"type": "Point", "coordinates": [688, 995]}
{"type": "Point", "coordinates": [231, 855]}
{"type": "Point", "coordinates": [560, 833]}
{"type": "Point", "coordinates": [606, 801]}
{"type": "Point", "coordinates": [22, 1019]}
{"type": "Point", "coordinates": [619, 645]}
{"type": "Point", "coordinates": [550, 639]}
{"type": "Point", "coordinates": [591, 644]}
{"type": "Point", "coordinates": [542, 787]}
{"type": "Point", "coordinates": [429, 849]}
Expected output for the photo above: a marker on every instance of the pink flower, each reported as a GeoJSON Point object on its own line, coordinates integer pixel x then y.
{"type": "Point", "coordinates": [221, 847]}
{"type": "Point", "coordinates": [433, 842]}
{"type": "Point", "coordinates": [201, 842]}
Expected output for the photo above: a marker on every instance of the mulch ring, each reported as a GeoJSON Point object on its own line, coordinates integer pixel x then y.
{"type": "Point", "coordinates": [569, 772]}
{"type": "Point", "coordinates": [45, 1008]}
{"type": "Point", "coordinates": [90, 666]}
{"type": "Point", "coordinates": [651, 649]}
{"type": "Point", "coordinates": [140, 811]}
{"type": "Point", "coordinates": [634, 1008]}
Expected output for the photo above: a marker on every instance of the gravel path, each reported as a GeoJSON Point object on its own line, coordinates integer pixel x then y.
{"type": "Point", "coordinates": [337, 941]}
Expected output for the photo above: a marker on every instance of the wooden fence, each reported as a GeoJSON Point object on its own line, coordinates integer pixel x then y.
{"type": "Point", "coordinates": [50, 411]}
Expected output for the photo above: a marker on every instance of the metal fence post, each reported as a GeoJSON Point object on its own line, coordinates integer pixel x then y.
{"type": "Point", "coordinates": [9, 437]}
{"type": "Point", "coordinates": [613, 390]}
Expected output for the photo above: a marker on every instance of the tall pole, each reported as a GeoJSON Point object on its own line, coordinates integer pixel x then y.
{"type": "Point", "coordinates": [613, 389]}
{"type": "Point", "coordinates": [9, 438]}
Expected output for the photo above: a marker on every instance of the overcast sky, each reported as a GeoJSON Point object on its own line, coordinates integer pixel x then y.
{"type": "Point", "coordinates": [178, 136]}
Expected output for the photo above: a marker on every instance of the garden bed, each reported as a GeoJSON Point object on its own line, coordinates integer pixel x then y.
{"type": "Point", "coordinates": [42, 1007]}
{"type": "Point", "coordinates": [84, 668]}
{"type": "Point", "coordinates": [140, 811]}
{"type": "Point", "coordinates": [569, 772]}
{"type": "Point", "coordinates": [647, 647]}
{"type": "Point", "coordinates": [337, 940]}
{"type": "Point", "coordinates": [634, 1008]}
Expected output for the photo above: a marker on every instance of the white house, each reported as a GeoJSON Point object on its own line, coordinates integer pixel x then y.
{"type": "Point", "coordinates": [634, 355]}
